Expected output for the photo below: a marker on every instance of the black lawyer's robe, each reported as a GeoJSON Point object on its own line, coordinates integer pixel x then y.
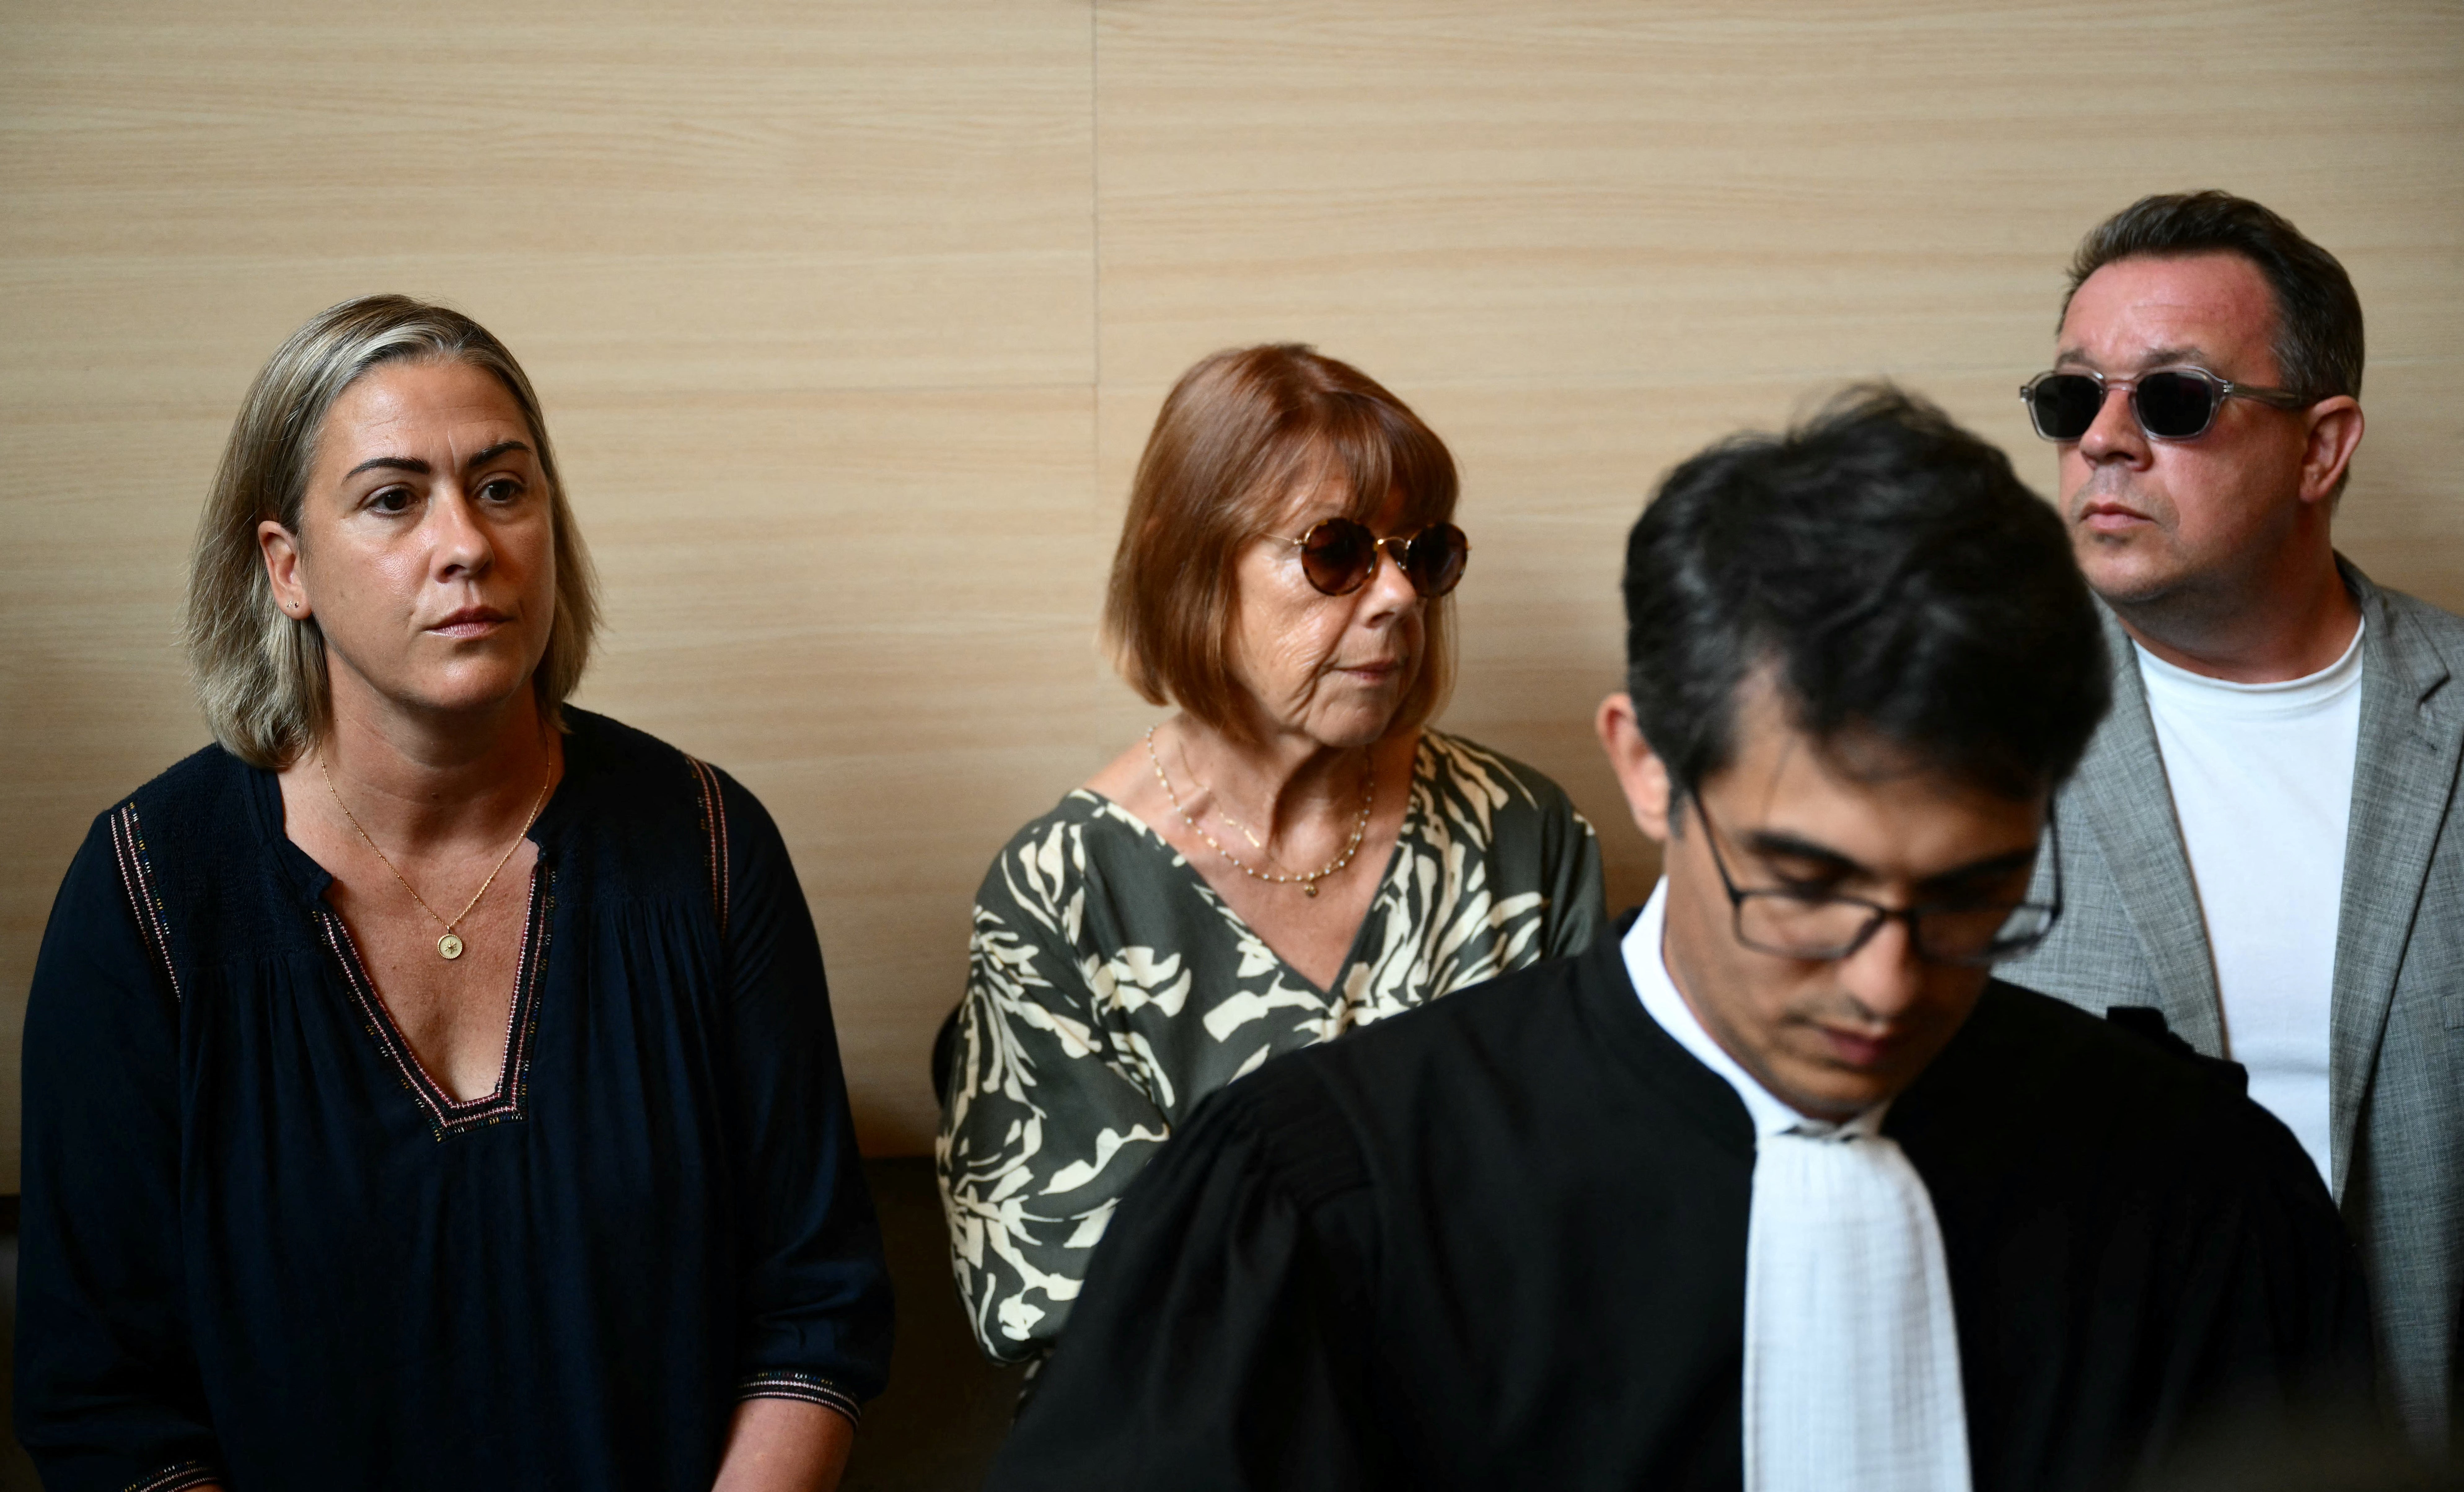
{"type": "Point", "coordinates": [1501, 1242]}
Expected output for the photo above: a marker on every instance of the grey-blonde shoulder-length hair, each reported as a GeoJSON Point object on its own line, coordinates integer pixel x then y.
{"type": "Point", "coordinates": [260, 673]}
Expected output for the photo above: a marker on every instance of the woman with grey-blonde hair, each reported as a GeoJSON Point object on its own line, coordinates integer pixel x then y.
{"type": "Point", "coordinates": [429, 1082]}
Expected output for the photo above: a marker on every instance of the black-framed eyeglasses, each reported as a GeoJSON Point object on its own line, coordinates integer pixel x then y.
{"type": "Point", "coordinates": [2169, 403]}
{"type": "Point", "coordinates": [1823, 926]}
{"type": "Point", "coordinates": [1339, 555]}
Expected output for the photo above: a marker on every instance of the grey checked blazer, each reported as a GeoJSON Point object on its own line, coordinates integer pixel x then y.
{"type": "Point", "coordinates": [2131, 934]}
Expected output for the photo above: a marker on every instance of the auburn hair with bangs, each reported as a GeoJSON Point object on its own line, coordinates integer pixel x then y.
{"type": "Point", "coordinates": [1243, 434]}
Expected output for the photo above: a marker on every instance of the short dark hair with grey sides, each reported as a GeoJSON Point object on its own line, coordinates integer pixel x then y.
{"type": "Point", "coordinates": [2318, 316]}
{"type": "Point", "coordinates": [1893, 577]}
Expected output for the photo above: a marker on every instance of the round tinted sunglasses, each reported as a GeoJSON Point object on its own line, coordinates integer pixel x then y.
{"type": "Point", "coordinates": [2171, 403]}
{"type": "Point", "coordinates": [1339, 555]}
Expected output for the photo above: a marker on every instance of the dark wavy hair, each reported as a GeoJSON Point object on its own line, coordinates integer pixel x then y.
{"type": "Point", "coordinates": [1896, 579]}
{"type": "Point", "coordinates": [2318, 342]}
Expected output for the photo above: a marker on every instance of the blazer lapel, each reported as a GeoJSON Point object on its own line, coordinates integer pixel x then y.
{"type": "Point", "coordinates": [2129, 806]}
{"type": "Point", "coordinates": [2404, 775]}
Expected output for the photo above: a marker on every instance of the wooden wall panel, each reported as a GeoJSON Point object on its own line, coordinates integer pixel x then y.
{"type": "Point", "coordinates": [850, 321]}
{"type": "Point", "coordinates": [873, 613]}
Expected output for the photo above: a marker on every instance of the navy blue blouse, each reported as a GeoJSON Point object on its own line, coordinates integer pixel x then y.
{"type": "Point", "coordinates": [260, 1243]}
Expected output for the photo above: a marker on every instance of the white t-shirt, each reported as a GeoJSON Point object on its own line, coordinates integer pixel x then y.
{"type": "Point", "coordinates": [2262, 779]}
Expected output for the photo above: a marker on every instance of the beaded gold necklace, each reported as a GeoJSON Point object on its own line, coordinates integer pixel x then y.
{"type": "Point", "coordinates": [1307, 880]}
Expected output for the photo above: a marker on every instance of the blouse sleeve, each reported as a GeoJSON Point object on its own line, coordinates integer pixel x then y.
{"type": "Point", "coordinates": [109, 1392]}
{"type": "Point", "coordinates": [815, 1293]}
{"type": "Point", "coordinates": [1577, 901]}
{"type": "Point", "coordinates": [1046, 1124]}
{"type": "Point", "coordinates": [1224, 1343]}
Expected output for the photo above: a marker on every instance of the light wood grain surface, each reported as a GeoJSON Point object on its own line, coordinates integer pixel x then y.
{"type": "Point", "coordinates": [850, 320]}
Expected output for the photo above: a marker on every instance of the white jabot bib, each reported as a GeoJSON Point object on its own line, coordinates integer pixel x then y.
{"type": "Point", "coordinates": [1852, 1350]}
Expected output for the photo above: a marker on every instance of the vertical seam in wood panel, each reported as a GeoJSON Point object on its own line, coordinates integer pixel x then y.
{"type": "Point", "coordinates": [1094, 207]}
{"type": "Point", "coordinates": [1095, 322]}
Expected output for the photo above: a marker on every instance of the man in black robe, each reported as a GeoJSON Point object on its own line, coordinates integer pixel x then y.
{"type": "Point", "coordinates": [1778, 1189]}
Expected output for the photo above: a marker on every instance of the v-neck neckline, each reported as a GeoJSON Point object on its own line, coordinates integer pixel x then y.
{"type": "Point", "coordinates": [447, 1114]}
{"type": "Point", "coordinates": [1351, 953]}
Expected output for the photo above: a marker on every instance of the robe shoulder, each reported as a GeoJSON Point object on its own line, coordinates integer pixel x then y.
{"type": "Point", "coordinates": [2030, 1077]}
{"type": "Point", "coordinates": [2141, 1256]}
{"type": "Point", "coordinates": [1564, 1042]}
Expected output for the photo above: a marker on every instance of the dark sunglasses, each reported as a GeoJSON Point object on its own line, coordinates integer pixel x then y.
{"type": "Point", "coordinates": [1339, 555]}
{"type": "Point", "coordinates": [2171, 403]}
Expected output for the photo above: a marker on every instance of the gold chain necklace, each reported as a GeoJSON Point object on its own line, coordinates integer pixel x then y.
{"type": "Point", "coordinates": [1223, 813]}
{"type": "Point", "coordinates": [1307, 880]}
{"type": "Point", "coordinates": [449, 945]}
{"type": "Point", "coordinates": [1245, 831]}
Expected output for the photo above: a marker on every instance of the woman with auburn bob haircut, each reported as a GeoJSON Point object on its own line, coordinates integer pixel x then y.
{"type": "Point", "coordinates": [431, 1084]}
{"type": "Point", "coordinates": [1293, 855]}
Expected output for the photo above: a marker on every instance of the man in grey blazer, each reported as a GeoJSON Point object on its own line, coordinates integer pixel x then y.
{"type": "Point", "coordinates": [2258, 843]}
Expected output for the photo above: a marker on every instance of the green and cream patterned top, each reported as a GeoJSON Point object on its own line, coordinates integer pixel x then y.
{"type": "Point", "coordinates": [1110, 989]}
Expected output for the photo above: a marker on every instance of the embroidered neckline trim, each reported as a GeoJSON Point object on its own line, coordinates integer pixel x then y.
{"type": "Point", "coordinates": [447, 1115]}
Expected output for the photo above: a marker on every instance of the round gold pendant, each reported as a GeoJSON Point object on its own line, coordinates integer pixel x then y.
{"type": "Point", "coordinates": [448, 946]}
{"type": "Point", "coordinates": [1308, 888]}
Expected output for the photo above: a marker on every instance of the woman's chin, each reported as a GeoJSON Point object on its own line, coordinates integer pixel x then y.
{"type": "Point", "coordinates": [1349, 729]}
{"type": "Point", "coordinates": [476, 699]}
